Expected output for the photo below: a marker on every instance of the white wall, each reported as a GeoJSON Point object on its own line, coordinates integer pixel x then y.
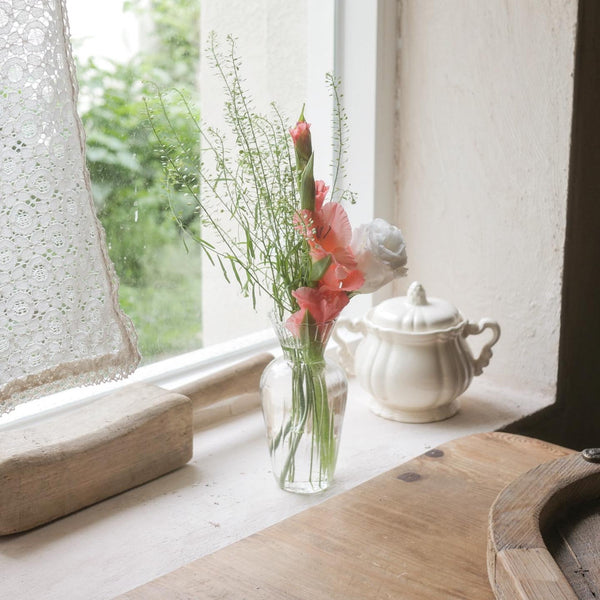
{"type": "Point", "coordinates": [483, 131]}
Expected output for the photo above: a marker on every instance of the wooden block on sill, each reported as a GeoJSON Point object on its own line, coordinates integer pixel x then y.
{"type": "Point", "coordinates": [67, 461]}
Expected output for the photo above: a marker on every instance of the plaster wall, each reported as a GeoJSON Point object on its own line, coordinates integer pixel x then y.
{"type": "Point", "coordinates": [485, 93]}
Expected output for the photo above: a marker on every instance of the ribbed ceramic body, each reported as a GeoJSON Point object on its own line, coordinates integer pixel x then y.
{"type": "Point", "coordinates": [414, 377]}
{"type": "Point", "coordinates": [414, 361]}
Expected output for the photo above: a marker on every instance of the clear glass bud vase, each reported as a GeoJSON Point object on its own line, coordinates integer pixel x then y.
{"type": "Point", "coordinates": [303, 397]}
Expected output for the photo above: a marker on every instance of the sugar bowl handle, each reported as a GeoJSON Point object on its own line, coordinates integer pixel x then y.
{"type": "Point", "coordinates": [345, 355]}
{"type": "Point", "coordinates": [486, 352]}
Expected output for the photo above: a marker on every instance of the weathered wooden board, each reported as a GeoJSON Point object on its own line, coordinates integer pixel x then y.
{"type": "Point", "coordinates": [59, 464]}
{"type": "Point", "coordinates": [78, 456]}
{"type": "Point", "coordinates": [228, 392]}
{"type": "Point", "coordinates": [416, 532]}
{"type": "Point", "coordinates": [523, 521]}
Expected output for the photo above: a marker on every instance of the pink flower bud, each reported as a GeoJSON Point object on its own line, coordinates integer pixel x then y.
{"type": "Point", "coordinates": [300, 132]}
{"type": "Point", "coordinates": [302, 143]}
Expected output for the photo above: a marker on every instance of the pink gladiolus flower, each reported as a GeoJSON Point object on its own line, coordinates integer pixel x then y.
{"type": "Point", "coordinates": [326, 230]}
{"type": "Point", "coordinates": [331, 236]}
{"type": "Point", "coordinates": [320, 192]}
{"type": "Point", "coordinates": [323, 305]}
{"type": "Point", "coordinates": [332, 230]}
{"type": "Point", "coordinates": [328, 233]}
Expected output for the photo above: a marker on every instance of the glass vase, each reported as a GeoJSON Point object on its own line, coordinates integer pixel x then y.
{"type": "Point", "coordinates": [303, 397]}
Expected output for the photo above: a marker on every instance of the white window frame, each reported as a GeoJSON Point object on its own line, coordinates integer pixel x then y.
{"type": "Point", "coordinates": [367, 69]}
{"type": "Point", "coordinates": [366, 38]}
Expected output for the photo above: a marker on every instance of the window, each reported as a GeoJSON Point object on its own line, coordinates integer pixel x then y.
{"type": "Point", "coordinates": [177, 299]}
{"type": "Point", "coordinates": [269, 33]}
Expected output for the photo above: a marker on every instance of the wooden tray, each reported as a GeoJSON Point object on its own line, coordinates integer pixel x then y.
{"type": "Point", "coordinates": [416, 532]}
{"type": "Point", "coordinates": [544, 533]}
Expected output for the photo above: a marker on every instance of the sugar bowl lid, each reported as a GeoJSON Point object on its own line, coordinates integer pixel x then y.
{"type": "Point", "coordinates": [415, 312]}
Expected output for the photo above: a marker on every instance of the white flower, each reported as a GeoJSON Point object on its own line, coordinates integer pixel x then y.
{"type": "Point", "coordinates": [381, 254]}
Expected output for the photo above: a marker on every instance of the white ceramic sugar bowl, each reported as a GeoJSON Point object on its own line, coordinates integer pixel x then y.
{"type": "Point", "coordinates": [413, 359]}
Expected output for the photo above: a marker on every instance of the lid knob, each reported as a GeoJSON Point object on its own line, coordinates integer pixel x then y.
{"type": "Point", "coordinates": [416, 294]}
{"type": "Point", "coordinates": [414, 313]}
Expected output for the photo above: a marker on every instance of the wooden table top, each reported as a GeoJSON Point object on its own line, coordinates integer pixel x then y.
{"type": "Point", "coordinates": [416, 532]}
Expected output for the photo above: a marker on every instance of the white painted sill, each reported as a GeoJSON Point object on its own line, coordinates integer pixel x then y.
{"type": "Point", "coordinates": [169, 374]}
{"type": "Point", "coordinates": [225, 493]}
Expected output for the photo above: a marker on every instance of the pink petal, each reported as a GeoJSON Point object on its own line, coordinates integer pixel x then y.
{"type": "Point", "coordinates": [333, 227]}
{"type": "Point", "coordinates": [339, 278]}
{"type": "Point", "coordinates": [294, 321]}
{"type": "Point", "coordinates": [309, 299]}
{"type": "Point", "coordinates": [334, 304]}
{"type": "Point", "coordinates": [322, 304]}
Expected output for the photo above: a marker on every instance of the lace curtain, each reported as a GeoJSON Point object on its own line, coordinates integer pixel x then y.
{"type": "Point", "coordinates": [60, 322]}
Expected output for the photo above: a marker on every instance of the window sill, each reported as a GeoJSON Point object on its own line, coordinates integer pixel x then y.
{"type": "Point", "coordinates": [224, 494]}
{"type": "Point", "coordinates": [169, 374]}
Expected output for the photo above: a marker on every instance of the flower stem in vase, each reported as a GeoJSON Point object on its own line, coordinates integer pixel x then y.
{"type": "Point", "coordinates": [303, 398]}
{"type": "Point", "coordinates": [281, 233]}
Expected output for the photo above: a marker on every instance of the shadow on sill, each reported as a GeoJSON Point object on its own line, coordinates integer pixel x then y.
{"type": "Point", "coordinates": [88, 518]}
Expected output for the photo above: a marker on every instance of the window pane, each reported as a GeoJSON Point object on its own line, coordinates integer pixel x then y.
{"type": "Point", "coordinates": [177, 300]}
